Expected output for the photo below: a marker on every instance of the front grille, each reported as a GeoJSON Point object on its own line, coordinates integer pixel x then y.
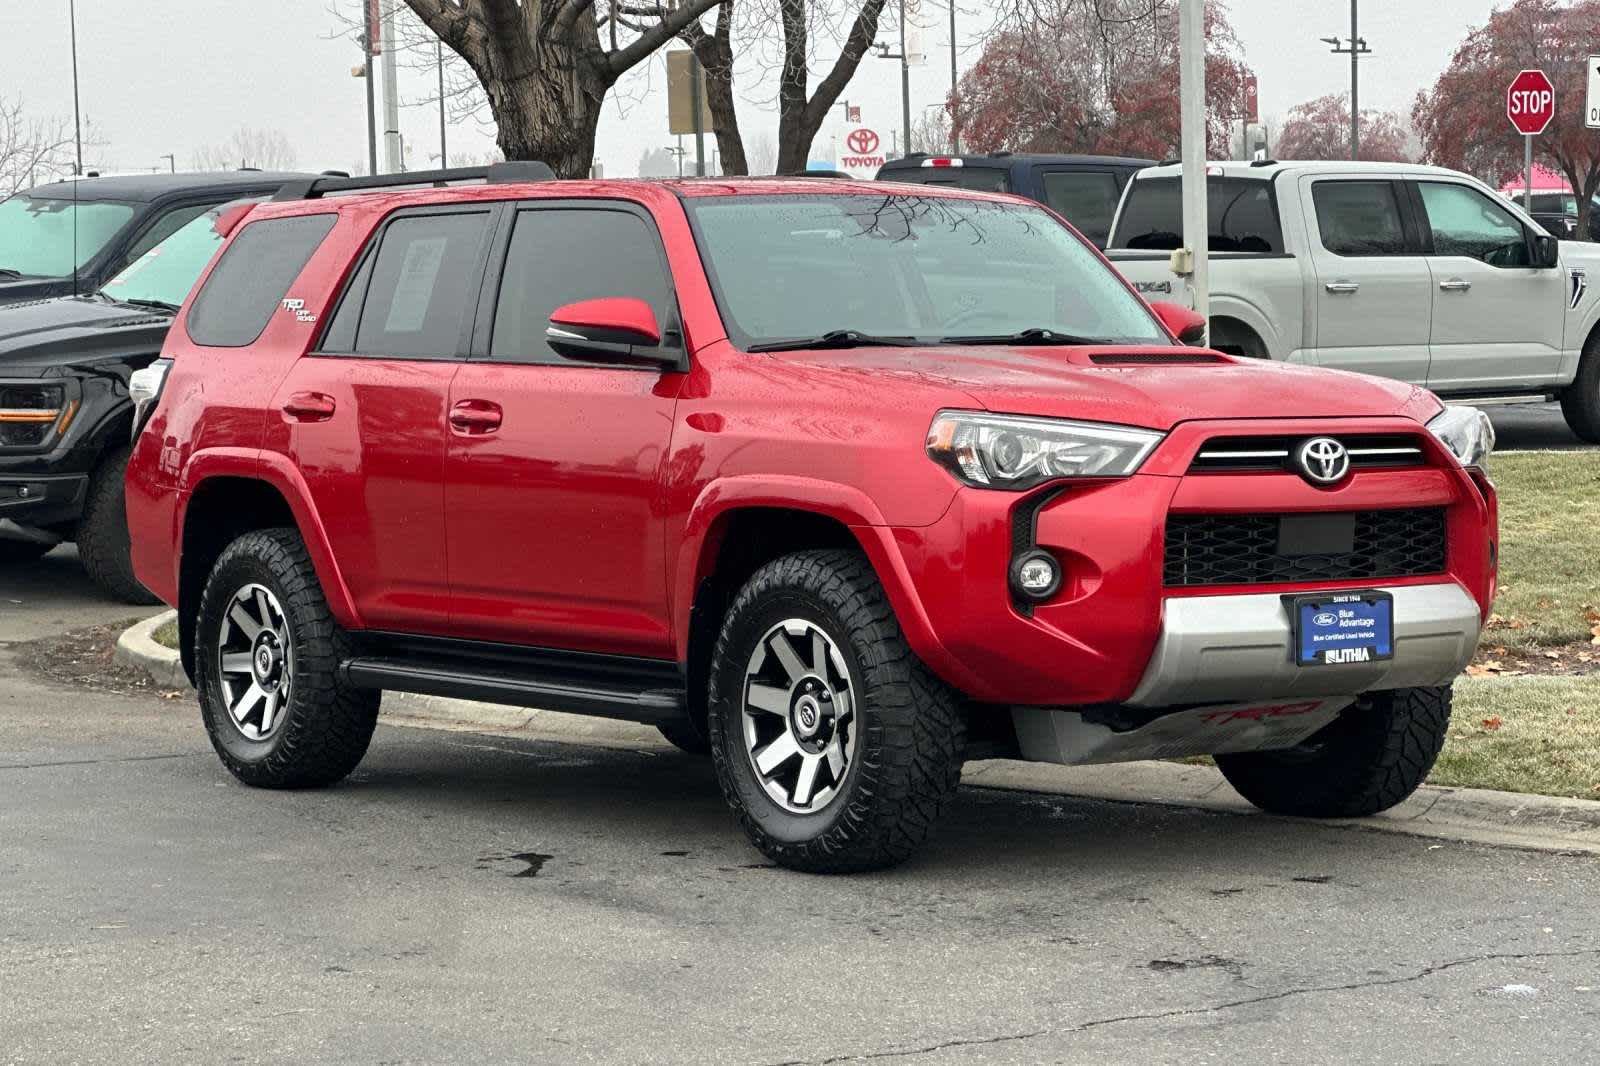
{"type": "Point", "coordinates": [1244, 549]}
{"type": "Point", "coordinates": [1231, 455]}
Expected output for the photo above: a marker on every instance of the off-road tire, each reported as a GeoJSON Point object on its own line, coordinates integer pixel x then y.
{"type": "Point", "coordinates": [1580, 401]}
{"type": "Point", "coordinates": [326, 725]}
{"type": "Point", "coordinates": [686, 735]}
{"type": "Point", "coordinates": [911, 732]}
{"type": "Point", "coordinates": [16, 552]}
{"type": "Point", "coordinates": [102, 534]}
{"type": "Point", "coordinates": [1372, 757]}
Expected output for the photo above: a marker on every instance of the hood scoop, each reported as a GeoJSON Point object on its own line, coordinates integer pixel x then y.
{"type": "Point", "coordinates": [147, 320]}
{"type": "Point", "coordinates": [1158, 359]}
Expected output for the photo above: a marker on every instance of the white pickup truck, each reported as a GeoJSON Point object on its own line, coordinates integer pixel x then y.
{"type": "Point", "coordinates": [1410, 272]}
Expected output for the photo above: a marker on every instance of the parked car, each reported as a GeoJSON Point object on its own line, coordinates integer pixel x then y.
{"type": "Point", "coordinates": [1083, 189]}
{"type": "Point", "coordinates": [65, 415]}
{"type": "Point", "coordinates": [70, 237]}
{"type": "Point", "coordinates": [1411, 272]}
{"type": "Point", "coordinates": [1557, 212]}
{"type": "Point", "coordinates": [840, 480]}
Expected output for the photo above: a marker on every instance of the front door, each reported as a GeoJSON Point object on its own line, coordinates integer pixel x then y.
{"type": "Point", "coordinates": [1497, 320]}
{"type": "Point", "coordinates": [551, 497]}
{"type": "Point", "coordinates": [1373, 292]}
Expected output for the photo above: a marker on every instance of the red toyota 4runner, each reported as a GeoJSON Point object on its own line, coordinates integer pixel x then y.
{"type": "Point", "coordinates": [843, 482]}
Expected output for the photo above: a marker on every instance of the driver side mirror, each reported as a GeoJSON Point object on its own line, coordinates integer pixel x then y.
{"type": "Point", "coordinates": [612, 329]}
{"type": "Point", "coordinates": [1182, 322]}
{"type": "Point", "coordinates": [1546, 251]}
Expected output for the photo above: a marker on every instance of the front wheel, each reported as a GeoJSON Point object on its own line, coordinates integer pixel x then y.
{"type": "Point", "coordinates": [1580, 401]}
{"type": "Point", "coordinates": [833, 743]}
{"type": "Point", "coordinates": [1370, 758]}
{"type": "Point", "coordinates": [267, 655]}
{"type": "Point", "coordinates": [102, 535]}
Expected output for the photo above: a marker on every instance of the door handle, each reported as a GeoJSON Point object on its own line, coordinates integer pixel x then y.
{"type": "Point", "coordinates": [475, 416]}
{"type": "Point", "coordinates": [308, 407]}
{"type": "Point", "coordinates": [1342, 288]}
{"type": "Point", "coordinates": [1455, 285]}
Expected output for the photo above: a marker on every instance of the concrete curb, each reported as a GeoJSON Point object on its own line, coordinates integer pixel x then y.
{"type": "Point", "coordinates": [137, 648]}
{"type": "Point", "coordinates": [1482, 816]}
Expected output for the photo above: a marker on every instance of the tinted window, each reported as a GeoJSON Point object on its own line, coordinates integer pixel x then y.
{"type": "Point", "coordinates": [989, 179]}
{"type": "Point", "coordinates": [561, 255]}
{"type": "Point", "coordinates": [1242, 216]}
{"type": "Point", "coordinates": [341, 335]}
{"type": "Point", "coordinates": [253, 276]}
{"type": "Point", "coordinates": [1466, 222]}
{"type": "Point", "coordinates": [424, 278]}
{"type": "Point", "coordinates": [1085, 198]}
{"type": "Point", "coordinates": [1359, 217]}
{"type": "Point", "coordinates": [165, 226]}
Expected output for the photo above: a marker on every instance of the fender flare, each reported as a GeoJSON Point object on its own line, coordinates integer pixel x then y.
{"type": "Point", "coordinates": [278, 472]}
{"type": "Point", "coordinates": [1250, 316]}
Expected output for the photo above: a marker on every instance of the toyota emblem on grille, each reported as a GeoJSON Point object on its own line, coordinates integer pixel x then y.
{"type": "Point", "coordinates": [1322, 460]}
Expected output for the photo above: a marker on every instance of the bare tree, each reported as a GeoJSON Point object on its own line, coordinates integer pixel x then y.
{"type": "Point", "coordinates": [930, 132]}
{"type": "Point", "coordinates": [762, 154]}
{"type": "Point", "coordinates": [246, 147]}
{"type": "Point", "coordinates": [31, 149]}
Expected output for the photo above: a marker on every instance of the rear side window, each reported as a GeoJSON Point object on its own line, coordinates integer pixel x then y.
{"type": "Point", "coordinates": [987, 179]}
{"type": "Point", "coordinates": [1085, 198]}
{"type": "Point", "coordinates": [560, 255]}
{"type": "Point", "coordinates": [422, 280]}
{"type": "Point", "coordinates": [1242, 214]}
{"type": "Point", "coordinates": [1358, 218]}
{"type": "Point", "coordinates": [252, 278]}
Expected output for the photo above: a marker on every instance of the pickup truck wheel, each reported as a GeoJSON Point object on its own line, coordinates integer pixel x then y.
{"type": "Point", "coordinates": [1580, 401]}
{"type": "Point", "coordinates": [102, 534]}
{"type": "Point", "coordinates": [267, 654]}
{"type": "Point", "coordinates": [833, 743]}
{"type": "Point", "coordinates": [13, 552]}
{"type": "Point", "coordinates": [1372, 757]}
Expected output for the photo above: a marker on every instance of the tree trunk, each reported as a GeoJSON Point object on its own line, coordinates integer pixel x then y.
{"type": "Point", "coordinates": [715, 52]}
{"type": "Point", "coordinates": [799, 118]}
{"type": "Point", "coordinates": [551, 117]}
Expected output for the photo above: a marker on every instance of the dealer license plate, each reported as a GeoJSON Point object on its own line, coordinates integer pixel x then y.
{"type": "Point", "coordinates": [1339, 628]}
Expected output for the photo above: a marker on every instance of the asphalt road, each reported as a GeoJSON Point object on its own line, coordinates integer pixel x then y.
{"type": "Point", "coordinates": [1532, 426]}
{"type": "Point", "coordinates": [469, 898]}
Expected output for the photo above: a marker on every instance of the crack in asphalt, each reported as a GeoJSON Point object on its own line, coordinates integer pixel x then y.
{"type": "Point", "coordinates": [97, 762]}
{"type": "Point", "coordinates": [1216, 1008]}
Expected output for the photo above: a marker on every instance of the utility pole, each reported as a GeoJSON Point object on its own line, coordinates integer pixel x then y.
{"type": "Point", "coordinates": [955, 110]}
{"type": "Point", "coordinates": [77, 121]}
{"type": "Point", "coordinates": [443, 158]}
{"type": "Point", "coordinates": [367, 37]}
{"type": "Point", "coordinates": [882, 48]}
{"type": "Point", "coordinates": [1192, 94]}
{"type": "Point", "coordinates": [391, 97]}
{"type": "Point", "coordinates": [697, 104]}
{"type": "Point", "coordinates": [1357, 48]}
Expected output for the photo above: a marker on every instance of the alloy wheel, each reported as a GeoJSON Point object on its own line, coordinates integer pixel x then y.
{"type": "Point", "coordinates": [798, 716]}
{"type": "Point", "coordinates": [255, 661]}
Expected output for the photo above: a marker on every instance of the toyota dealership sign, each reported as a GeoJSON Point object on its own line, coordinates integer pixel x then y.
{"type": "Point", "coordinates": [861, 152]}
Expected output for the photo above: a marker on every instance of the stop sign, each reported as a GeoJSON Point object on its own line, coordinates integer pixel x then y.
{"type": "Point", "coordinates": [1531, 102]}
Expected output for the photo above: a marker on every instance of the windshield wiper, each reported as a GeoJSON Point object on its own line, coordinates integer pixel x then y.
{"type": "Point", "coordinates": [159, 305]}
{"type": "Point", "coordinates": [835, 338]}
{"type": "Point", "coordinates": [1035, 335]}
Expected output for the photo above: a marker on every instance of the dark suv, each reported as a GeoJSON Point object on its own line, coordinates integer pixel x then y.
{"type": "Point", "coordinates": [837, 480]}
{"type": "Point", "coordinates": [71, 236]}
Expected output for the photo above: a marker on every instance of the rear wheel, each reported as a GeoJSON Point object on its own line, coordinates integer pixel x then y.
{"type": "Point", "coordinates": [1580, 401]}
{"type": "Point", "coordinates": [102, 535]}
{"type": "Point", "coordinates": [1370, 758]}
{"type": "Point", "coordinates": [833, 743]}
{"type": "Point", "coordinates": [267, 654]}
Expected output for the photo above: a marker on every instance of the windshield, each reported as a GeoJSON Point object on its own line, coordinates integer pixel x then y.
{"type": "Point", "coordinates": [167, 272]}
{"type": "Point", "coordinates": [37, 238]}
{"type": "Point", "coordinates": [909, 267]}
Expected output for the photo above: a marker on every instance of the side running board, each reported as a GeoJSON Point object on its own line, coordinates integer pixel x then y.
{"type": "Point", "coordinates": [630, 689]}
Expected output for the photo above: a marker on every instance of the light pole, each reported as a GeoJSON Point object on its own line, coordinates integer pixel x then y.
{"type": "Point", "coordinates": [366, 52]}
{"type": "Point", "coordinates": [905, 75]}
{"type": "Point", "coordinates": [77, 121]}
{"type": "Point", "coordinates": [1356, 49]}
{"type": "Point", "coordinates": [439, 46]}
{"type": "Point", "coordinates": [172, 162]}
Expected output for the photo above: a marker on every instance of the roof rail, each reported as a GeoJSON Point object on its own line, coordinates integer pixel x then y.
{"type": "Point", "coordinates": [1263, 162]}
{"type": "Point", "coordinates": [1169, 162]}
{"type": "Point", "coordinates": [494, 174]}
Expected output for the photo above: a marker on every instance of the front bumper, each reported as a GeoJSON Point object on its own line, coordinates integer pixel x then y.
{"type": "Point", "coordinates": [42, 500]}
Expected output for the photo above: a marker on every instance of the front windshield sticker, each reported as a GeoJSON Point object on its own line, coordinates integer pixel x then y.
{"type": "Point", "coordinates": [413, 291]}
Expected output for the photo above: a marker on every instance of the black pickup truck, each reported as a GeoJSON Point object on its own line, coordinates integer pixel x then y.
{"type": "Point", "coordinates": [65, 412]}
{"type": "Point", "coordinates": [69, 237]}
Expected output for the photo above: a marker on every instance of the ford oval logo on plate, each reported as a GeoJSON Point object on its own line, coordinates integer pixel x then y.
{"type": "Point", "coordinates": [1326, 619]}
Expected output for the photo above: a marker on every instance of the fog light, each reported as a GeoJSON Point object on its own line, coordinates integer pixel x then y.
{"type": "Point", "coordinates": [1035, 575]}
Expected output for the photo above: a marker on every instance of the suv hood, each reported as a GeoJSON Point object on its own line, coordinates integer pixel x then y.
{"type": "Point", "coordinates": [1155, 388]}
{"type": "Point", "coordinates": [76, 329]}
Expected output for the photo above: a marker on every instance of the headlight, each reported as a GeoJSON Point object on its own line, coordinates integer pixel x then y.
{"type": "Point", "coordinates": [144, 389]}
{"type": "Point", "coordinates": [30, 413]}
{"type": "Point", "coordinates": [1468, 433]}
{"type": "Point", "coordinates": [1011, 452]}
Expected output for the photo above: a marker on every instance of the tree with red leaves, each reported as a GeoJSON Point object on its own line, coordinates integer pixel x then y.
{"type": "Point", "coordinates": [1462, 121]}
{"type": "Point", "coordinates": [1320, 129]}
{"type": "Point", "coordinates": [1096, 76]}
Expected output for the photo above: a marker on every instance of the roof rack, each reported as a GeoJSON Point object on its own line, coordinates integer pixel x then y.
{"type": "Point", "coordinates": [1263, 162]}
{"type": "Point", "coordinates": [494, 174]}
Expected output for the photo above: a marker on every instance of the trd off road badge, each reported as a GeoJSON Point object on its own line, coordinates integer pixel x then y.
{"type": "Point", "coordinates": [298, 309]}
{"type": "Point", "coordinates": [1580, 285]}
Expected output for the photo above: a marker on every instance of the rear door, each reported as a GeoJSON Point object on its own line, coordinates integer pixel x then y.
{"type": "Point", "coordinates": [367, 410]}
{"type": "Point", "coordinates": [1373, 290]}
{"type": "Point", "coordinates": [555, 536]}
{"type": "Point", "coordinates": [1085, 196]}
{"type": "Point", "coordinates": [1497, 320]}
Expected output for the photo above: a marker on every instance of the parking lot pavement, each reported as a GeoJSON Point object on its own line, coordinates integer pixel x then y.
{"type": "Point", "coordinates": [1532, 426]}
{"type": "Point", "coordinates": [474, 898]}
{"type": "Point", "coordinates": [53, 594]}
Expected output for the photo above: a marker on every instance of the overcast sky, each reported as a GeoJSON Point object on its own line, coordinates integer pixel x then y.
{"type": "Point", "coordinates": [189, 72]}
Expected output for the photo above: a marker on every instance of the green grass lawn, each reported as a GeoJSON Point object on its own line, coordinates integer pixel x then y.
{"type": "Point", "coordinates": [1549, 548]}
{"type": "Point", "coordinates": [1543, 735]}
{"type": "Point", "coordinates": [167, 635]}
